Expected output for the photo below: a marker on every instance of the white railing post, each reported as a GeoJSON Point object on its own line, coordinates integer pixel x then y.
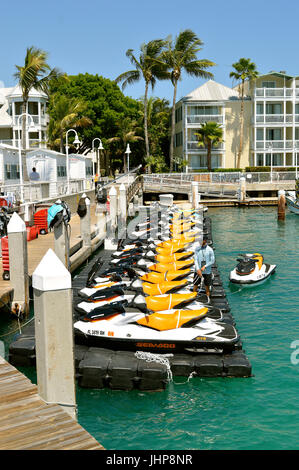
{"type": "Point", "coordinates": [122, 210]}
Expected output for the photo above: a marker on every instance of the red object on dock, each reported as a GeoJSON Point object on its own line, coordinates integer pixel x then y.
{"type": "Point", "coordinates": [41, 221]}
{"type": "Point", "coordinates": [5, 258]}
{"type": "Point", "coordinates": [32, 233]}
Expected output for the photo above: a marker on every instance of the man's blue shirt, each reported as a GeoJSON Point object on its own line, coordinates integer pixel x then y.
{"type": "Point", "coordinates": [204, 257]}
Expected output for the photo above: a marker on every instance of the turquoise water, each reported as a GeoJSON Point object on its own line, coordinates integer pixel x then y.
{"type": "Point", "coordinates": [260, 412]}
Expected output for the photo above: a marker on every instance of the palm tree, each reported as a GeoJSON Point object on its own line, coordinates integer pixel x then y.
{"type": "Point", "coordinates": [150, 68]}
{"type": "Point", "coordinates": [65, 113]}
{"type": "Point", "coordinates": [244, 70]}
{"type": "Point", "coordinates": [35, 73]}
{"type": "Point", "coordinates": [179, 56]}
{"type": "Point", "coordinates": [127, 132]}
{"type": "Point", "coordinates": [210, 134]}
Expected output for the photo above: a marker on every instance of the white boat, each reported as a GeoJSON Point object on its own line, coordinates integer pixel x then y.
{"type": "Point", "coordinates": [292, 202]}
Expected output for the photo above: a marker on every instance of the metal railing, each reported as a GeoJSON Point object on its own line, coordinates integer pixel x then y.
{"type": "Point", "coordinates": [183, 179]}
{"type": "Point", "coordinates": [274, 118]}
{"type": "Point", "coordinates": [38, 191]}
{"type": "Point", "coordinates": [200, 118]}
{"type": "Point", "coordinates": [275, 92]}
{"type": "Point", "coordinates": [276, 144]}
{"type": "Point", "coordinates": [193, 145]}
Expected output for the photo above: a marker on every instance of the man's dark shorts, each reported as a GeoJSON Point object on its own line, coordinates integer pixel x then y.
{"type": "Point", "coordinates": [207, 278]}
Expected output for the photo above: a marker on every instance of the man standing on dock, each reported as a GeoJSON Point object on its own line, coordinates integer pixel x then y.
{"type": "Point", "coordinates": [204, 258]}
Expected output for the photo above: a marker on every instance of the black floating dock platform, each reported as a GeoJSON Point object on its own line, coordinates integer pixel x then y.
{"type": "Point", "coordinates": [126, 370]}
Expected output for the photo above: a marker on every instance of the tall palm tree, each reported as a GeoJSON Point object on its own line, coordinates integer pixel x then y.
{"type": "Point", "coordinates": [35, 73]}
{"type": "Point", "coordinates": [150, 68]}
{"type": "Point", "coordinates": [181, 55]}
{"type": "Point", "coordinates": [127, 133]}
{"type": "Point", "coordinates": [244, 70]}
{"type": "Point", "coordinates": [65, 113]}
{"type": "Point", "coordinates": [210, 134]}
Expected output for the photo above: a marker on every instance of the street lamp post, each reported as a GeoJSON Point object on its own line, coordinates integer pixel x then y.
{"type": "Point", "coordinates": [77, 142]}
{"type": "Point", "coordinates": [127, 152]}
{"type": "Point", "coordinates": [20, 152]}
{"type": "Point", "coordinates": [100, 147]}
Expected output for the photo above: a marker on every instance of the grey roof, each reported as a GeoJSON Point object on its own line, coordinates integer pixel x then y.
{"type": "Point", "coordinates": [212, 91]}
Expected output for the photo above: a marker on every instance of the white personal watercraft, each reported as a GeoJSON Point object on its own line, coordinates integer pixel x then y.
{"type": "Point", "coordinates": [251, 269]}
{"type": "Point", "coordinates": [175, 330]}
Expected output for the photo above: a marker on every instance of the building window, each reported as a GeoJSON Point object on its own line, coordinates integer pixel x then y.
{"type": "Point", "coordinates": [259, 108]}
{"type": "Point", "coordinates": [178, 141]}
{"type": "Point", "coordinates": [260, 159]}
{"type": "Point", "coordinates": [201, 161]}
{"type": "Point", "coordinates": [273, 134]}
{"type": "Point", "coordinates": [179, 114]}
{"type": "Point", "coordinates": [268, 84]}
{"type": "Point", "coordinates": [273, 108]}
{"type": "Point", "coordinates": [89, 171]}
{"type": "Point", "coordinates": [61, 171]}
{"type": "Point", "coordinates": [12, 172]}
{"type": "Point", "coordinates": [204, 110]}
{"type": "Point", "coordinates": [260, 134]}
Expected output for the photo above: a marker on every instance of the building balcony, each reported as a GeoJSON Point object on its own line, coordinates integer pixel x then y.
{"type": "Point", "coordinates": [37, 120]}
{"type": "Point", "coordinates": [275, 93]}
{"type": "Point", "coordinates": [201, 118]}
{"type": "Point", "coordinates": [193, 145]}
{"type": "Point", "coordinates": [274, 145]}
{"type": "Point", "coordinates": [274, 119]}
{"type": "Point", "coordinates": [33, 143]}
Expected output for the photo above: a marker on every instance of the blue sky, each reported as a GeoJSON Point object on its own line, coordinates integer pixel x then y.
{"type": "Point", "coordinates": [93, 35]}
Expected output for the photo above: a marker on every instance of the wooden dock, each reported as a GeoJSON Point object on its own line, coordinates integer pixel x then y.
{"type": "Point", "coordinates": [28, 423]}
{"type": "Point", "coordinates": [37, 249]}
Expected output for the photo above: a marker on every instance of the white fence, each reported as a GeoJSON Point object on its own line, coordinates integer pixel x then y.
{"type": "Point", "coordinates": [34, 192]}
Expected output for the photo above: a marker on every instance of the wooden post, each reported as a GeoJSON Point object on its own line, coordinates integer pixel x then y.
{"type": "Point", "coordinates": [281, 206]}
{"type": "Point", "coordinates": [85, 223]}
{"type": "Point", "coordinates": [122, 211]}
{"type": "Point", "coordinates": [18, 263]}
{"type": "Point", "coordinates": [194, 194]}
{"type": "Point", "coordinates": [52, 292]}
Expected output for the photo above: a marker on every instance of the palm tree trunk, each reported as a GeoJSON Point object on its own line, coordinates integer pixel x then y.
{"type": "Point", "coordinates": [172, 127]}
{"type": "Point", "coordinates": [23, 141]}
{"type": "Point", "coordinates": [125, 160]}
{"type": "Point", "coordinates": [147, 151]}
{"type": "Point", "coordinates": [241, 126]}
{"type": "Point", "coordinates": [209, 155]}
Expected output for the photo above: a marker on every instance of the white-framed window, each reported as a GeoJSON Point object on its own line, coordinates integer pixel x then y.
{"type": "Point", "coordinates": [269, 84]}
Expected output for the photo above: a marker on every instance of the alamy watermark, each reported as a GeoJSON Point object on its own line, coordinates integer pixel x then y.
{"type": "Point", "coordinates": [295, 354]}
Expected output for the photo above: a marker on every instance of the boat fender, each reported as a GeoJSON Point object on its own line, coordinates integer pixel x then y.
{"type": "Point", "coordinates": [82, 208]}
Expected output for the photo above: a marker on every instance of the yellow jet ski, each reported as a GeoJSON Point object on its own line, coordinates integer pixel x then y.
{"type": "Point", "coordinates": [163, 321]}
{"type": "Point", "coordinates": [156, 277]}
{"type": "Point", "coordinates": [170, 258]}
{"type": "Point", "coordinates": [175, 266]}
{"type": "Point", "coordinates": [169, 301]}
{"type": "Point", "coordinates": [166, 287]}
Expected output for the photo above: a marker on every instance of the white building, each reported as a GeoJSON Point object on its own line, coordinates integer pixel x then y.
{"type": "Point", "coordinates": [11, 122]}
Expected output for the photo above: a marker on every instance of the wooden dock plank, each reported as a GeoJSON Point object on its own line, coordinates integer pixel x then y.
{"type": "Point", "coordinates": [27, 422]}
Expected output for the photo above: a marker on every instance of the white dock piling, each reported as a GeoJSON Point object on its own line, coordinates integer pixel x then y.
{"type": "Point", "coordinates": [109, 243]}
{"type": "Point", "coordinates": [195, 197]}
{"type": "Point", "coordinates": [52, 290]}
{"type": "Point", "coordinates": [18, 263]}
